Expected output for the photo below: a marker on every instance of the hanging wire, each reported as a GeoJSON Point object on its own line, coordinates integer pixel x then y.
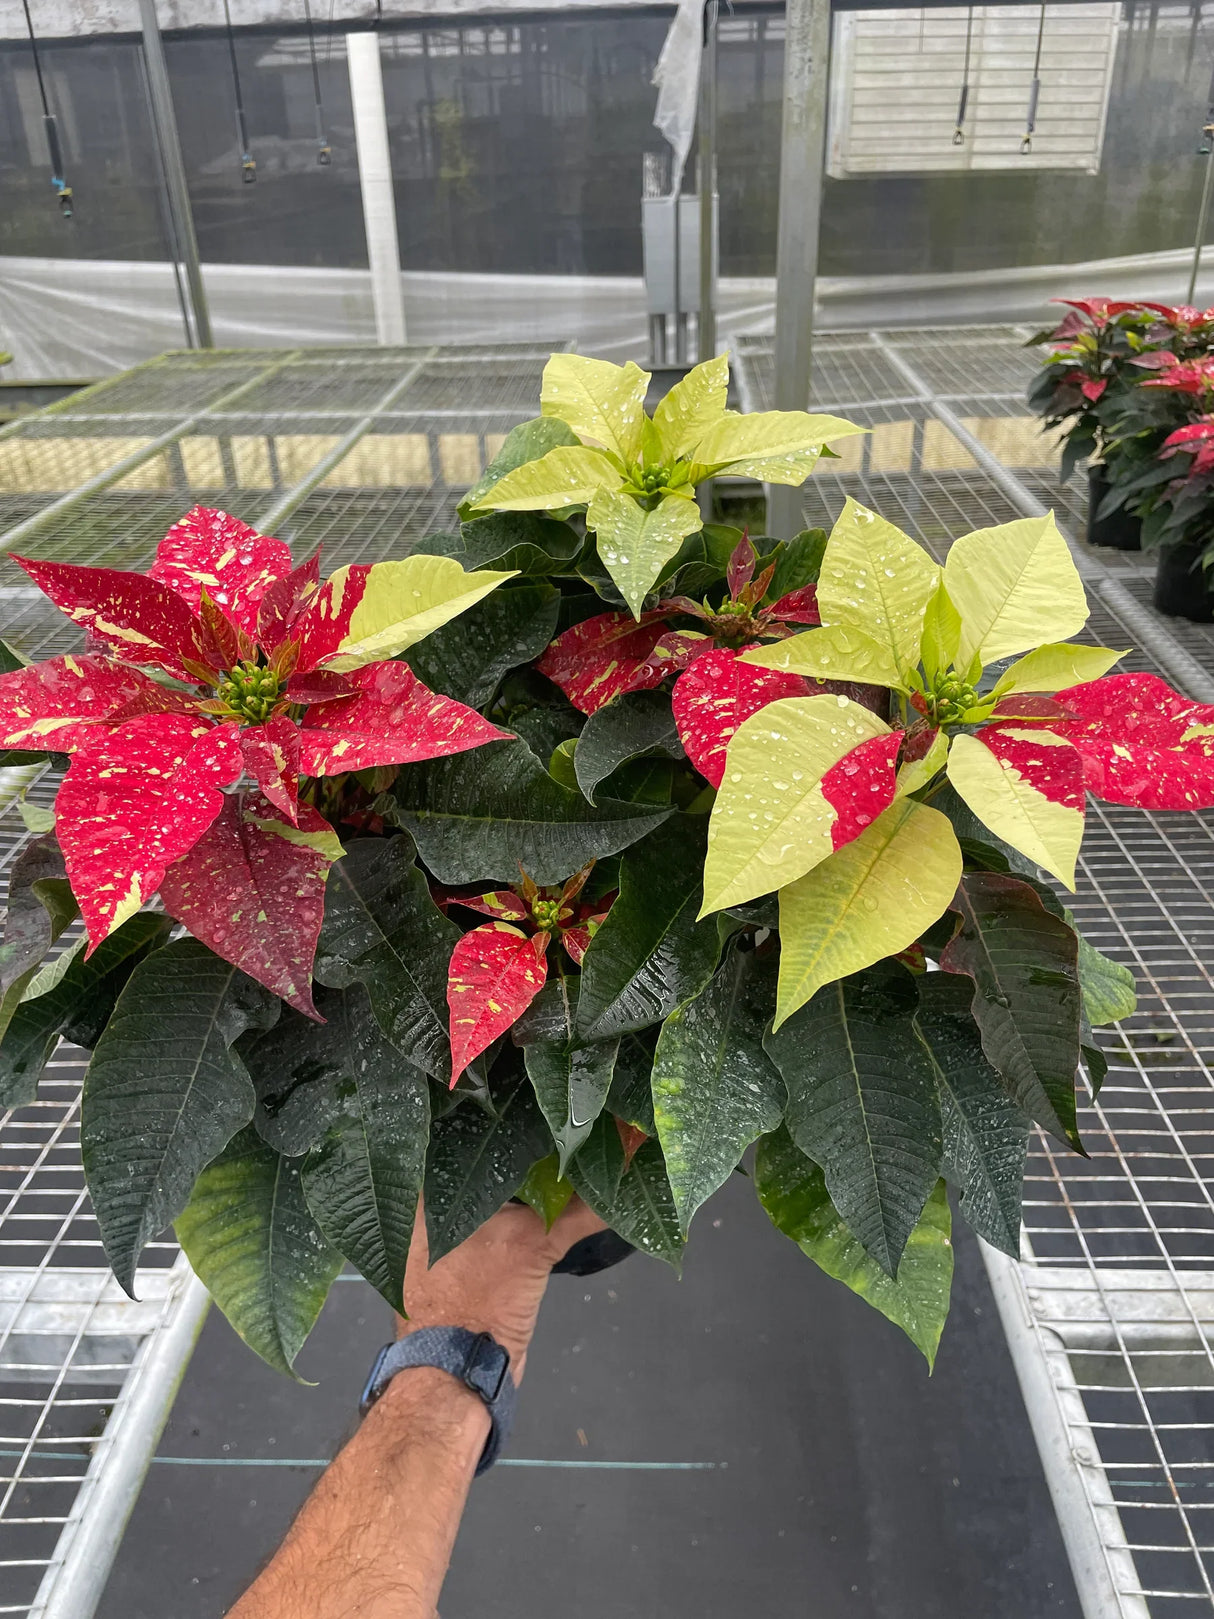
{"type": "Point", "coordinates": [1030, 123]}
{"type": "Point", "coordinates": [63, 191]}
{"type": "Point", "coordinates": [963, 103]}
{"type": "Point", "coordinates": [324, 152]}
{"type": "Point", "coordinates": [248, 168]}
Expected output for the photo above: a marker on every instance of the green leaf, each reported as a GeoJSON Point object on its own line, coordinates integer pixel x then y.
{"type": "Point", "coordinates": [523, 542]}
{"type": "Point", "coordinates": [476, 817]}
{"type": "Point", "coordinates": [876, 582]}
{"type": "Point", "coordinates": [35, 817]}
{"type": "Point", "coordinates": [634, 725]}
{"type": "Point", "coordinates": [600, 1160]}
{"type": "Point", "coordinates": [634, 544]}
{"type": "Point", "coordinates": [526, 442]}
{"type": "Point", "coordinates": [985, 1133]}
{"type": "Point", "coordinates": [1026, 997]}
{"type": "Point", "coordinates": [381, 928]}
{"type": "Point", "coordinates": [546, 1191]}
{"type": "Point", "coordinates": [631, 1095]}
{"type": "Point", "coordinates": [363, 1180]}
{"type": "Point", "coordinates": [941, 634]}
{"type": "Point", "coordinates": [477, 1161]}
{"type": "Point", "coordinates": [303, 1072]}
{"type": "Point", "coordinates": [165, 1092]}
{"type": "Point", "coordinates": [40, 906]}
{"type": "Point", "coordinates": [715, 1090]}
{"type": "Point", "coordinates": [600, 401]}
{"type": "Point", "coordinates": [798, 562]}
{"type": "Point", "coordinates": [862, 1103]}
{"type": "Point", "coordinates": [469, 658]}
{"type": "Point", "coordinates": [792, 1189]}
{"type": "Point", "coordinates": [10, 659]}
{"type": "Point", "coordinates": [1053, 667]}
{"type": "Point", "coordinates": [562, 478]}
{"type": "Point", "coordinates": [642, 1210]}
{"type": "Point", "coordinates": [689, 408]}
{"type": "Point", "coordinates": [650, 953]}
{"type": "Point", "coordinates": [75, 1003]}
{"type": "Point", "coordinates": [248, 1234]}
{"type": "Point", "coordinates": [1107, 986]}
{"type": "Point", "coordinates": [571, 1082]}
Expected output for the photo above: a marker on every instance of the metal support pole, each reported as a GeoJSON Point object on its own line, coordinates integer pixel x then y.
{"type": "Point", "coordinates": [802, 159]}
{"type": "Point", "coordinates": [165, 121]}
{"type": "Point", "coordinates": [706, 338]}
{"type": "Point", "coordinates": [1203, 214]}
{"type": "Point", "coordinates": [375, 177]}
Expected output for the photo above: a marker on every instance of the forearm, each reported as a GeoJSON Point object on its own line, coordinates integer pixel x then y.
{"type": "Point", "coordinates": [375, 1537]}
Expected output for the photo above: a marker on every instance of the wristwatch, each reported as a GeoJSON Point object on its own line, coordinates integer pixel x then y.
{"type": "Point", "coordinates": [476, 1358]}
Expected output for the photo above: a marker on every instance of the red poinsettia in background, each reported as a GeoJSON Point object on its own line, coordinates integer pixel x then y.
{"type": "Point", "coordinates": [260, 671]}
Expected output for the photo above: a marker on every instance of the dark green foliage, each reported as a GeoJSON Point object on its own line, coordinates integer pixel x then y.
{"type": "Point", "coordinates": [642, 1209]}
{"type": "Point", "coordinates": [363, 1179]}
{"type": "Point", "coordinates": [523, 542]}
{"type": "Point", "coordinates": [985, 1133]}
{"type": "Point", "coordinates": [797, 561]}
{"type": "Point", "coordinates": [468, 658]}
{"type": "Point", "coordinates": [650, 953]}
{"type": "Point", "coordinates": [248, 1234]}
{"type": "Point", "coordinates": [72, 998]}
{"type": "Point", "coordinates": [1026, 998]}
{"type": "Point", "coordinates": [862, 1103]}
{"type": "Point", "coordinates": [639, 723]}
{"type": "Point", "coordinates": [715, 1090]}
{"type": "Point", "coordinates": [382, 929]}
{"type": "Point", "coordinates": [478, 1160]}
{"type": "Point", "coordinates": [478, 816]}
{"type": "Point", "coordinates": [165, 1092]}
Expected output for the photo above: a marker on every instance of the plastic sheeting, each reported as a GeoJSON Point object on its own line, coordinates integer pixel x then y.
{"type": "Point", "coordinates": [677, 77]}
{"type": "Point", "coordinates": [85, 317]}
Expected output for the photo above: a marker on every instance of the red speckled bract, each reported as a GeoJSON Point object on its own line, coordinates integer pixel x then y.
{"type": "Point", "coordinates": [1141, 742]}
{"type": "Point", "coordinates": [234, 564]}
{"type": "Point", "coordinates": [798, 607]}
{"type": "Point", "coordinates": [1053, 771]}
{"type": "Point", "coordinates": [142, 619]}
{"type": "Point", "coordinates": [712, 698]}
{"type": "Point", "coordinates": [496, 972]}
{"type": "Point", "coordinates": [60, 704]}
{"type": "Point", "coordinates": [605, 656]}
{"type": "Point", "coordinates": [271, 757]}
{"type": "Point", "coordinates": [392, 719]}
{"type": "Point", "coordinates": [252, 889]}
{"type": "Point", "coordinates": [325, 622]}
{"type": "Point", "coordinates": [134, 801]}
{"type": "Point", "coordinates": [861, 785]}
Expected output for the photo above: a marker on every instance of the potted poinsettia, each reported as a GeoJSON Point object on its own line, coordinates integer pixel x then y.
{"type": "Point", "coordinates": [1098, 351]}
{"type": "Point", "coordinates": [621, 889]}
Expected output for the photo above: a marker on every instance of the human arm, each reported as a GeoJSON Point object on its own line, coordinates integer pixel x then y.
{"type": "Point", "coordinates": [374, 1538]}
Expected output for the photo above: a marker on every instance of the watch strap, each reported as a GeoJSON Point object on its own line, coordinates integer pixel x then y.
{"type": "Point", "coordinates": [475, 1358]}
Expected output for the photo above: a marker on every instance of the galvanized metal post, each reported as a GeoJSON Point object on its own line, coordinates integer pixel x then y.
{"type": "Point", "coordinates": [165, 120]}
{"type": "Point", "coordinates": [802, 159]}
{"type": "Point", "coordinates": [706, 326]}
{"type": "Point", "coordinates": [1203, 215]}
{"type": "Point", "coordinates": [375, 177]}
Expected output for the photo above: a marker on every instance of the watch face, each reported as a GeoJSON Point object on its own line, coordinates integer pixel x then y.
{"type": "Point", "coordinates": [486, 1366]}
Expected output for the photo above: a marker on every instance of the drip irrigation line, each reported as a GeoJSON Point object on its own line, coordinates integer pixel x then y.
{"type": "Point", "coordinates": [963, 103]}
{"type": "Point", "coordinates": [63, 191]}
{"type": "Point", "coordinates": [248, 168]}
{"type": "Point", "coordinates": [1030, 123]}
{"type": "Point", "coordinates": [324, 152]}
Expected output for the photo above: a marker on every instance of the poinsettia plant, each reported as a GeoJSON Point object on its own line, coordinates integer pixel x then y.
{"type": "Point", "coordinates": [476, 874]}
{"type": "Point", "coordinates": [1098, 352]}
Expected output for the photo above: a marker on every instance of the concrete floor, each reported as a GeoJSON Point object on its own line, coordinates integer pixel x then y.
{"type": "Point", "coordinates": [841, 1480]}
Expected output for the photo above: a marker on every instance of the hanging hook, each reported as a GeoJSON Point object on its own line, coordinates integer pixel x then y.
{"type": "Point", "coordinates": [1030, 123]}
{"type": "Point", "coordinates": [963, 103]}
{"type": "Point", "coordinates": [50, 128]}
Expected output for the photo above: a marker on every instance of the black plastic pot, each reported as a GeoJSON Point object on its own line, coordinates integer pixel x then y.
{"type": "Point", "coordinates": [1182, 587]}
{"type": "Point", "coordinates": [1120, 531]}
{"type": "Point", "coordinates": [594, 1253]}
